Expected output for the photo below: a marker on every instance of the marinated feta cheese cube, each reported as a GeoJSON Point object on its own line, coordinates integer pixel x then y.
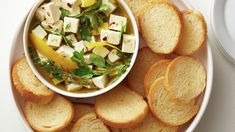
{"type": "Point", "coordinates": [101, 50]}
{"type": "Point", "coordinates": [89, 48]}
{"type": "Point", "coordinates": [54, 40]}
{"type": "Point", "coordinates": [113, 55]}
{"type": "Point", "coordinates": [90, 66]}
{"type": "Point", "coordinates": [71, 24]}
{"type": "Point", "coordinates": [73, 87]}
{"type": "Point", "coordinates": [80, 45]}
{"type": "Point", "coordinates": [72, 38]}
{"type": "Point", "coordinates": [100, 81]}
{"type": "Point", "coordinates": [110, 7]}
{"type": "Point", "coordinates": [65, 51]}
{"type": "Point", "coordinates": [117, 23]}
{"type": "Point", "coordinates": [52, 12]}
{"type": "Point", "coordinates": [111, 37]}
{"type": "Point", "coordinates": [87, 59]}
{"type": "Point", "coordinates": [57, 2]}
{"type": "Point", "coordinates": [40, 32]}
{"type": "Point", "coordinates": [55, 27]}
{"type": "Point", "coordinates": [40, 14]}
{"type": "Point", "coordinates": [73, 6]}
{"type": "Point", "coordinates": [128, 43]}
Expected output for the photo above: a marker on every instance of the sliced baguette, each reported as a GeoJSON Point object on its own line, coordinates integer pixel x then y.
{"type": "Point", "coordinates": [185, 78]}
{"type": "Point", "coordinates": [80, 109]}
{"type": "Point", "coordinates": [194, 33]}
{"type": "Point", "coordinates": [151, 124]}
{"type": "Point", "coordinates": [28, 85]}
{"type": "Point", "coordinates": [143, 62]}
{"type": "Point", "coordinates": [53, 116]}
{"type": "Point", "coordinates": [166, 109]}
{"type": "Point", "coordinates": [155, 71]}
{"type": "Point", "coordinates": [89, 123]}
{"type": "Point", "coordinates": [160, 24]}
{"type": "Point", "coordinates": [121, 107]}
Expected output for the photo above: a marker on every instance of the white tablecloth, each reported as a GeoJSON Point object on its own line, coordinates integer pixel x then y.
{"type": "Point", "coordinates": [219, 116]}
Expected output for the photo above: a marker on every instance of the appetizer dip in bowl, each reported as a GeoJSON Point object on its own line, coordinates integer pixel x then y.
{"type": "Point", "coordinates": [81, 48]}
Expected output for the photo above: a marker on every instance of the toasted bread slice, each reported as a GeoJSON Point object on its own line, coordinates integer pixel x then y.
{"type": "Point", "coordinates": [194, 33]}
{"type": "Point", "coordinates": [89, 123]}
{"type": "Point", "coordinates": [28, 85]}
{"type": "Point", "coordinates": [80, 109]}
{"type": "Point", "coordinates": [155, 71]}
{"type": "Point", "coordinates": [151, 124]}
{"type": "Point", "coordinates": [165, 108]}
{"type": "Point", "coordinates": [121, 107]}
{"type": "Point", "coordinates": [185, 78]}
{"type": "Point", "coordinates": [160, 24]}
{"type": "Point", "coordinates": [144, 60]}
{"type": "Point", "coordinates": [53, 116]}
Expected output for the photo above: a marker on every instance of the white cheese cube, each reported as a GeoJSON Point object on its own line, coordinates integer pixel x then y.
{"type": "Point", "coordinates": [40, 14]}
{"type": "Point", "coordinates": [52, 12]}
{"type": "Point", "coordinates": [54, 40]}
{"type": "Point", "coordinates": [111, 7]}
{"type": "Point", "coordinates": [113, 56]}
{"type": "Point", "coordinates": [57, 2]}
{"type": "Point", "coordinates": [40, 32]}
{"type": "Point", "coordinates": [112, 37]}
{"type": "Point", "coordinates": [100, 81]}
{"type": "Point", "coordinates": [87, 59]}
{"type": "Point", "coordinates": [89, 48]}
{"type": "Point", "coordinates": [100, 50]}
{"type": "Point", "coordinates": [73, 87]}
{"type": "Point", "coordinates": [65, 51]}
{"type": "Point", "coordinates": [117, 23]}
{"type": "Point", "coordinates": [72, 38]}
{"type": "Point", "coordinates": [73, 6]}
{"type": "Point", "coordinates": [90, 66]}
{"type": "Point", "coordinates": [80, 45]}
{"type": "Point", "coordinates": [55, 27]}
{"type": "Point", "coordinates": [71, 24]}
{"type": "Point", "coordinates": [128, 43]}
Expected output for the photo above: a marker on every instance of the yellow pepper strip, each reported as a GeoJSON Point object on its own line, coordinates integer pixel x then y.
{"type": "Point", "coordinates": [87, 3]}
{"type": "Point", "coordinates": [63, 62]}
{"type": "Point", "coordinates": [104, 26]}
{"type": "Point", "coordinates": [94, 44]}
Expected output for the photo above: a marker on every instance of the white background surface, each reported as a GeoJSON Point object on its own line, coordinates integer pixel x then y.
{"type": "Point", "coordinates": [219, 116]}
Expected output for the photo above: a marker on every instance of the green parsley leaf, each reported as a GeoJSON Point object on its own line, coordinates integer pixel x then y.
{"type": "Point", "coordinates": [64, 13]}
{"type": "Point", "coordinates": [98, 60]}
{"type": "Point", "coordinates": [84, 72]}
{"type": "Point", "coordinates": [69, 43]}
{"type": "Point", "coordinates": [57, 73]}
{"type": "Point", "coordinates": [79, 57]}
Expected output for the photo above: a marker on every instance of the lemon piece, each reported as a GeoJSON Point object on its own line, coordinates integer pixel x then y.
{"type": "Point", "coordinates": [63, 62]}
{"type": "Point", "coordinates": [87, 3]}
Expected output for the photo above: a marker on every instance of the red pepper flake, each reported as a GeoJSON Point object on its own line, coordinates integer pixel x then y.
{"type": "Point", "coordinates": [111, 23]}
{"type": "Point", "coordinates": [69, 5]}
{"type": "Point", "coordinates": [104, 38]}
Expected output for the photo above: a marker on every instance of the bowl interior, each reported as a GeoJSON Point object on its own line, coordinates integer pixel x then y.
{"type": "Point", "coordinates": [70, 94]}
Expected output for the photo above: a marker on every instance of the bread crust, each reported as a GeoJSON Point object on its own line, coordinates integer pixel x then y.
{"type": "Point", "coordinates": [204, 33]}
{"type": "Point", "coordinates": [23, 90]}
{"type": "Point", "coordinates": [130, 123]}
{"type": "Point", "coordinates": [170, 68]}
{"type": "Point", "coordinates": [156, 114]}
{"type": "Point", "coordinates": [66, 122]}
{"type": "Point", "coordinates": [151, 73]}
{"type": "Point", "coordinates": [179, 16]}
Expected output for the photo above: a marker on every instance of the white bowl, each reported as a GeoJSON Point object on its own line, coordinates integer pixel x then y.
{"type": "Point", "coordinates": [66, 93]}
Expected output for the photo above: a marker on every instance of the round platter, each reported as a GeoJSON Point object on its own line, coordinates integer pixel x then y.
{"type": "Point", "coordinates": [204, 55]}
{"type": "Point", "coordinates": [223, 27]}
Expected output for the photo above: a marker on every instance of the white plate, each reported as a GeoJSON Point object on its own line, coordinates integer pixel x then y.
{"type": "Point", "coordinates": [204, 55]}
{"type": "Point", "coordinates": [223, 25]}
